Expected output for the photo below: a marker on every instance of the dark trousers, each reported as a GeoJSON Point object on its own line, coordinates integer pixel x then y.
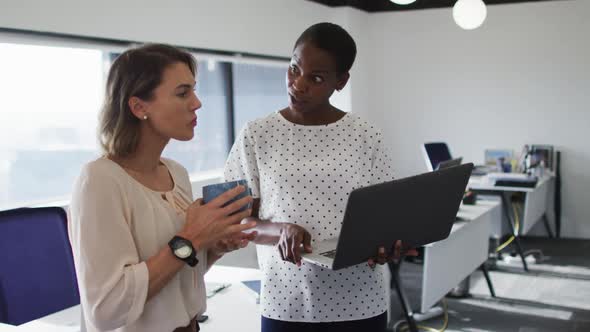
{"type": "Point", "coordinates": [373, 324]}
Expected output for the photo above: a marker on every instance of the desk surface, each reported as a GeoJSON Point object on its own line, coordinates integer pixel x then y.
{"type": "Point", "coordinates": [234, 308]}
{"type": "Point", "coordinates": [220, 307]}
{"type": "Point", "coordinates": [472, 212]}
{"type": "Point", "coordinates": [8, 328]}
{"type": "Point", "coordinates": [485, 183]}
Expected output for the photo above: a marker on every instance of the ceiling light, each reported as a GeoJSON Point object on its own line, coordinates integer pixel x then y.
{"type": "Point", "coordinates": [402, 2]}
{"type": "Point", "coordinates": [469, 14]}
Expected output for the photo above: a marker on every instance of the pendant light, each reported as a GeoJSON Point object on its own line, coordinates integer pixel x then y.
{"type": "Point", "coordinates": [402, 2]}
{"type": "Point", "coordinates": [469, 14]}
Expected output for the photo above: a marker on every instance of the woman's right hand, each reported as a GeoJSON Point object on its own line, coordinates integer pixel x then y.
{"type": "Point", "coordinates": [290, 240]}
{"type": "Point", "coordinates": [206, 224]}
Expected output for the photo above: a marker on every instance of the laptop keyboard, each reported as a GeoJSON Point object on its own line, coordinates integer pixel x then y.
{"type": "Point", "coordinates": [329, 254]}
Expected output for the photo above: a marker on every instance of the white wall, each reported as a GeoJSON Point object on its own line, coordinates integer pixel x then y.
{"type": "Point", "coordinates": [259, 26]}
{"type": "Point", "coordinates": [268, 27]}
{"type": "Point", "coordinates": [357, 90]}
{"type": "Point", "coordinates": [523, 77]}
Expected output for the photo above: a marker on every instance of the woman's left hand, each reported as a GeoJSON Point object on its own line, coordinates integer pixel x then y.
{"type": "Point", "coordinates": [395, 255]}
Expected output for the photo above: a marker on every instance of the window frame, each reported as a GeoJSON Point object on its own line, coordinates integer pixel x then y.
{"type": "Point", "coordinates": [109, 46]}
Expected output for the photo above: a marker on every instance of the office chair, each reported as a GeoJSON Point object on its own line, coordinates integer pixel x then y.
{"type": "Point", "coordinates": [434, 153]}
{"type": "Point", "coordinates": [37, 275]}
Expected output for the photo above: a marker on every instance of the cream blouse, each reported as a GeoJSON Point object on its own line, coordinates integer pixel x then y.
{"type": "Point", "coordinates": [115, 225]}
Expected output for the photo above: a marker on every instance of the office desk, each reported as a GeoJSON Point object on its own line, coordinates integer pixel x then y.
{"type": "Point", "coordinates": [447, 262]}
{"type": "Point", "coordinates": [67, 320]}
{"type": "Point", "coordinates": [536, 199]}
{"type": "Point", "coordinates": [535, 206]}
{"type": "Point", "coordinates": [234, 308]}
{"type": "Point", "coordinates": [7, 328]}
{"type": "Point", "coordinates": [231, 309]}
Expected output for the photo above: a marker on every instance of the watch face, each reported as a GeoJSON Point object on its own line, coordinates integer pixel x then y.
{"type": "Point", "coordinates": [183, 251]}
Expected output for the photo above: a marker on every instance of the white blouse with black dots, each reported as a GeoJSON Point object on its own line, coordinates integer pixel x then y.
{"type": "Point", "coordinates": [303, 175]}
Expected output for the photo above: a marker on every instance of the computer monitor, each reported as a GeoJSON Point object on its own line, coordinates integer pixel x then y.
{"type": "Point", "coordinates": [434, 153]}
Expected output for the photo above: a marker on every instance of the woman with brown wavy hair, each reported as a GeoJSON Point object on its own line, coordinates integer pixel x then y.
{"type": "Point", "coordinates": [141, 245]}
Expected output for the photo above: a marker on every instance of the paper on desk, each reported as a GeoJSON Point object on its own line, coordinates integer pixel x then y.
{"type": "Point", "coordinates": [215, 287]}
{"type": "Point", "coordinates": [47, 327]}
{"type": "Point", "coordinates": [254, 287]}
{"type": "Point", "coordinates": [515, 176]}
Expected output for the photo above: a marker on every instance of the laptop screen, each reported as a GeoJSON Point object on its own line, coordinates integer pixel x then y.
{"type": "Point", "coordinates": [437, 153]}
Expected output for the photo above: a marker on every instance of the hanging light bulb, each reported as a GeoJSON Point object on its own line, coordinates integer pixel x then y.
{"type": "Point", "coordinates": [402, 2]}
{"type": "Point", "coordinates": [469, 14]}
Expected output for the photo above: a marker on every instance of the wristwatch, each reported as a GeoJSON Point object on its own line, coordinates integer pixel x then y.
{"type": "Point", "coordinates": [183, 249]}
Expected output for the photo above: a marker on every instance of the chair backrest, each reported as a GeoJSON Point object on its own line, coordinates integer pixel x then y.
{"type": "Point", "coordinates": [434, 153]}
{"type": "Point", "coordinates": [37, 275]}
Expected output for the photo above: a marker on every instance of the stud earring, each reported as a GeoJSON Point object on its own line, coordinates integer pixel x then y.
{"type": "Point", "coordinates": [145, 117]}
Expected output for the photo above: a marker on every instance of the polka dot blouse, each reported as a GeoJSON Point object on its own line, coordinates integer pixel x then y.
{"type": "Point", "coordinates": [303, 175]}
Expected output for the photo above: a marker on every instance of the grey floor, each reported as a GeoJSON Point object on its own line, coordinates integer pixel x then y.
{"type": "Point", "coordinates": [553, 296]}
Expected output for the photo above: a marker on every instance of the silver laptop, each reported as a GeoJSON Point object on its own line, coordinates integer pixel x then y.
{"type": "Point", "coordinates": [417, 210]}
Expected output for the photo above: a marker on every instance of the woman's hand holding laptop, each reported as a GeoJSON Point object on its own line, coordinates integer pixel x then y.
{"type": "Point", "coordinates": [293, 237]}
{"type": "Point", "coordinates": [397, 252]}
{"type": "Point", "coordinates": [290, 241]}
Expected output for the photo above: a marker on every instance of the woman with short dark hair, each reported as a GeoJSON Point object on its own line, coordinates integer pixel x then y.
{"type": "Point", "coordinates": [301, 163]}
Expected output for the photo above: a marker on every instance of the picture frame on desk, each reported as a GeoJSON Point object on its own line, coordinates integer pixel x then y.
{"type": "Point", "coordinates": [499, 158]}
{"type": "Point", "coordinates": [492, 155]}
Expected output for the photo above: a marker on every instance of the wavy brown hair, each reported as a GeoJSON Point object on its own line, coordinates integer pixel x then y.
{"type": "Point", "coordinates": [136, 72]}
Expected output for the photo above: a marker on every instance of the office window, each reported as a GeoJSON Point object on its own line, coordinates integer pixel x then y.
{"type": "Point", "coordinates": [209, 148]}
{"type": "Point", "coordinates": [51, 92]}
{"type": "Point", "coordinates": [258, 91]}
{"type": "Point", "coordinates": [49, 101]}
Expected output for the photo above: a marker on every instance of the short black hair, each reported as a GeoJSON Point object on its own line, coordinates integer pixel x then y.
{"type": "Point", "coordinates": [333, 39]}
